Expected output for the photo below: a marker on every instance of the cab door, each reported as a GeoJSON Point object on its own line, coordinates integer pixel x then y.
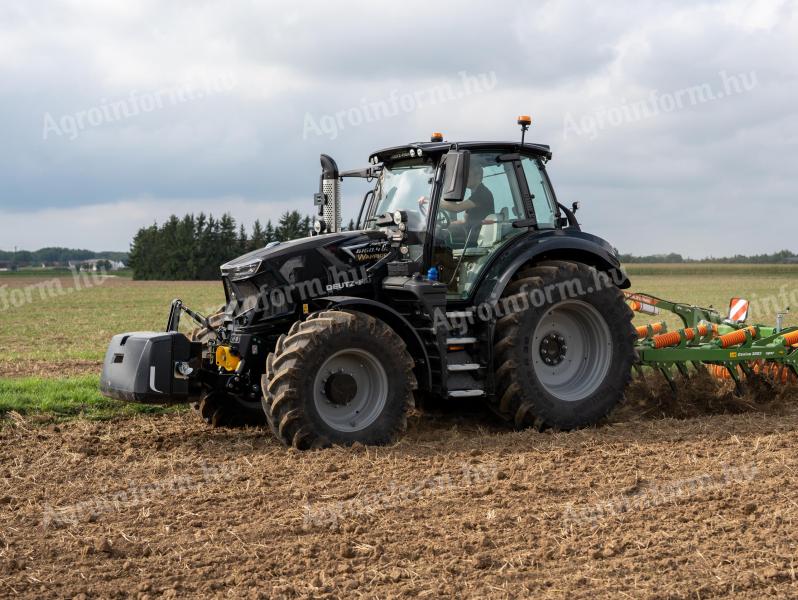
{"type": "Point", "coordinates": [468, 233]}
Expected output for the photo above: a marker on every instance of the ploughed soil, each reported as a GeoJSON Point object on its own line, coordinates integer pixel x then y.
{"type": "Point", "coordinates": [666, 500]}
{"type": "Point", "coordinates": [49, 368]}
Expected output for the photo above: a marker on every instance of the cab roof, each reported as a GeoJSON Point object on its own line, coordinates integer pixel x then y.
{"type": "Point", "coordinates": [399, 152]}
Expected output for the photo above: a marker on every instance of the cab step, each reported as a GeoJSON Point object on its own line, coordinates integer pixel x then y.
{"type": "Point", "coordinates": [464, 367]}
{"type": "Point", "coordinates": [460, 341]}
{"type": "Point", "coordinates": [460, 314]}
{"type": "Point", "coordinates": [466, 393]}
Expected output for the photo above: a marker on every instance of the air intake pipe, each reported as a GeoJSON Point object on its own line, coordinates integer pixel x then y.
{"type": "Point", "coordinates": [328, 200]}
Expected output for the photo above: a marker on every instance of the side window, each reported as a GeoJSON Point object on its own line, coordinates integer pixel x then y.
{"type": "Point", "coordinates": [501, 183]}
{"type": "Point", "coordinates": [543, 203]}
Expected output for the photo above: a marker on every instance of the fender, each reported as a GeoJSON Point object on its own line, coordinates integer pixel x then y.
{"type": "Point", "coordinates": [395, 320]}
{"type": "Point", "coordinates": [562, 244]}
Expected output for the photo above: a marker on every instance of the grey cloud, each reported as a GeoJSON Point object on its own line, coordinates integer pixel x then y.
{"type": "Point", "coordinates": [693, 170]}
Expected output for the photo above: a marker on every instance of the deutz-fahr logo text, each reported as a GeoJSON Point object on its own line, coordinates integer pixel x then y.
{"type": "Point", "coordinates": [342, 285]}
{"type": "Point", "coordinates": [341, 280]}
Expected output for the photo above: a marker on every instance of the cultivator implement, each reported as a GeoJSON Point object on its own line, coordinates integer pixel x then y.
{"type": "Point", "coordinates": [724, 347]}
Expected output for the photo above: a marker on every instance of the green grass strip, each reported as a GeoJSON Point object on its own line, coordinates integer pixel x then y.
{"type": "Point", "coordinates": [67, 398]}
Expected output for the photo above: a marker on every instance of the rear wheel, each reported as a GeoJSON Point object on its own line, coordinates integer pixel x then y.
{"type": "Point", "coordinates": [338, 378]}
{"type": "Point", "coordinates": [220, 409]}
{"type": "Point", "coordinates": [564, 352]}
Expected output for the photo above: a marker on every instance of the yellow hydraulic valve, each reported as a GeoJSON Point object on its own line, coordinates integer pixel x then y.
{"type": "Point", "coordinates": [226, 359]}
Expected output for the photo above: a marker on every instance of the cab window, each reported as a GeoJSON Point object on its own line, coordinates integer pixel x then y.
{"type": "Point", "coordinates": [541, 198]}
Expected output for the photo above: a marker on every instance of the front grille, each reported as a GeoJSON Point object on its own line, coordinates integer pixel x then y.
{"type": "Point", "coordinates": [262, 297]}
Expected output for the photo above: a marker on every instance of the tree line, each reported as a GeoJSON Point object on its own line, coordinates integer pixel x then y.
{"type": "Point", "coordinates": [54, 257]}
{"type": "Point", "coordinates": [194, 247]}
{"type": "Point", "coordinates": [783, 256]}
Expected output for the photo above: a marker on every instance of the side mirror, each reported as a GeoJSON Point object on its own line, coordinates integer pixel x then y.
{"type": "Point", "coordinates": [456, 175]}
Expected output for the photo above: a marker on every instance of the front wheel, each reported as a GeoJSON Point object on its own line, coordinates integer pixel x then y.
{"type": "Point", "coordinates": [338, 378]}
{"type": "Point", "coordinates": [564, 351]}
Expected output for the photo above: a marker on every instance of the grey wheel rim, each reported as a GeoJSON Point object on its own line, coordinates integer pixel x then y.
{"type": "Point", "coordinates": [571, 350]}
{"type": "Point", "coordinates": [350, 390]}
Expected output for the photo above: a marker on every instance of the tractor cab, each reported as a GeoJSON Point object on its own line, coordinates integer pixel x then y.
{"type": "Point", "coordinates": [457, 204]}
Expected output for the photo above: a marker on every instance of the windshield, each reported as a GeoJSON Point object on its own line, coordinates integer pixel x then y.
{"type": "Point", "coordinates": [404, 186]}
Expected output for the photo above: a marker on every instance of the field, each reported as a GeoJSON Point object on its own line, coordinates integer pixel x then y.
{"type": "Point", "coordinates": [101, 500]}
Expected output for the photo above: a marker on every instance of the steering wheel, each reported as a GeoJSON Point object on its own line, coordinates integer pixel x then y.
{"type": "Point", "coordinates": [442, 217]}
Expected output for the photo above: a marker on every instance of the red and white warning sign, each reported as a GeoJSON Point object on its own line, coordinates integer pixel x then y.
{"type": "Point", "coordinates": [738, 310]}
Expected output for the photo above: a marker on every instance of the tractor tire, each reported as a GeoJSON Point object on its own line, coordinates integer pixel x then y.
{"type": "Point", "coordinates": [266, 397]}
{"type": "Point", "coordinates": [219, 409]}
{"type": "Point", "coordinates": [564, 351]}
{"type": "Point", "coordinates": [338, 378]}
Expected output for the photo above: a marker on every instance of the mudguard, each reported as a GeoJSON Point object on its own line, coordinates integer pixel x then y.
{"type": "Point", "coordinates": [558, 244]}
{"type": "Point", "coordinates": [396, 321]}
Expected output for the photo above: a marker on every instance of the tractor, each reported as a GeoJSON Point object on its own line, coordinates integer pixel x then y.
{"type": "Point", "coordinates": [463, 278]}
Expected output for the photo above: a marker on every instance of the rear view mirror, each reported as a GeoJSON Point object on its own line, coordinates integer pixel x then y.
{"type": "Point", "coordinates": [456, 175]}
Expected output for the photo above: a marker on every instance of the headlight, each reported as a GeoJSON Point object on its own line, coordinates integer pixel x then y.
{"type": "Point", "coordinates": [397, 217]}
{"type": "Point", "coordinates": [242, 271]}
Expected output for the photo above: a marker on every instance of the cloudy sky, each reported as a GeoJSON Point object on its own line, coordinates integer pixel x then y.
{"type": "Point", "coordinates": [674, 124]}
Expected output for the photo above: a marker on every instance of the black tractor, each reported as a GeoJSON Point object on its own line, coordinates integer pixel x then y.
{"type": "Point", "coordinates": [463, 278]}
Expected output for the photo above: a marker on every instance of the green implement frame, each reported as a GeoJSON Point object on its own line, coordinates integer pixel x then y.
{"type": "Point", "coordinates": [709, 339]}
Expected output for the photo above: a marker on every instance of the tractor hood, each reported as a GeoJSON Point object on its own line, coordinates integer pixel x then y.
{"type": "Point", "coordinates": [344, 245]}
{"type": "Point", "coordinates": [278, 278]}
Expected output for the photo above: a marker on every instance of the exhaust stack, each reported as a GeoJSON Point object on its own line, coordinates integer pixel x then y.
{"type": "Point", "coordinates": [328, 200]}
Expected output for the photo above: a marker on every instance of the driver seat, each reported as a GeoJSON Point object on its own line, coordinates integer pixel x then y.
{"type": "Point", "coordinates": [491, 232]}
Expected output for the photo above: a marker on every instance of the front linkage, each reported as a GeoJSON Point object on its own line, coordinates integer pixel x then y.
{"type": "Point", "coordinates": [170, 367]}
{"type": "Point", "coordinates": [726, 348]}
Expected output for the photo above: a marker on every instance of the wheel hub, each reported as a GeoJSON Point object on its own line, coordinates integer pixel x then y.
{"type": "Point", "coordinates": [340, 388]}
{"type": "Point", "coordinates": [571, 350]}
{"type": "Point", "coordinates": [553, 348]}
{"type": "Point", "coordinates": [350, 390]}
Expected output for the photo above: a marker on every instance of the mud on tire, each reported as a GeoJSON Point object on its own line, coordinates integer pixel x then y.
{"type": "Point", "coordinates": [563, 358]}
{"type": "Point", "coordinates": [338, 377]}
